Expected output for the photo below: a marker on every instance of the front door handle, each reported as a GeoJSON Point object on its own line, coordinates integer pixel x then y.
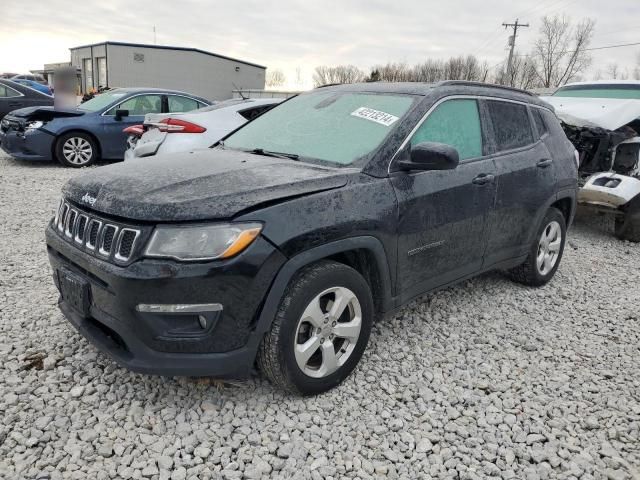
{"type": "Point", "coordinates": [483, 179]}
{"type": "Point", "coordinates": [15, 104]}
{"type": "Point", "coordinates": [544, 163]}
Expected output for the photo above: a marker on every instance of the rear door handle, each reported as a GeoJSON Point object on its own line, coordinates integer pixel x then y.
{"type": "Point", "coordinates": [544, 163]}
{"type": "Point", "coordinates": [483, 179]}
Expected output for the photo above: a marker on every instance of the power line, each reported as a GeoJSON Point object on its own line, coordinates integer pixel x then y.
{"type": "Point", "coordinates": [595, 48]}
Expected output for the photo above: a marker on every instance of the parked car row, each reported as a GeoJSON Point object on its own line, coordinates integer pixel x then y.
{"type": "Point", "coordinates": [77, 137]}
{"type": "Point", "coordinates": [280, 246]}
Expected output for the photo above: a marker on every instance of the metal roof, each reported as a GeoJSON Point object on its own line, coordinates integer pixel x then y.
{"type": "Point", "coordinates": [167, 47]}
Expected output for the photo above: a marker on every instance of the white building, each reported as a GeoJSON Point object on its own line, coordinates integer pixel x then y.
{"type": "Point", "coordinates": [117, 64]}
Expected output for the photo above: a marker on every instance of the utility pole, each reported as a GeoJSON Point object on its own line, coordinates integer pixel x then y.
{"type": "Point", "coordinates": [512, 44]}
{"type": "Point", "coordinates": [154, 35]}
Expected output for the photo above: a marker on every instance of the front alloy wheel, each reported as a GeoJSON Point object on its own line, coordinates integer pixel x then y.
{"type": "Point", "coordinates": [320, 330]}
{"type": "Point", "coordinates": [76, 149]}
{"type": "Point", "coordinates": [328, 332]}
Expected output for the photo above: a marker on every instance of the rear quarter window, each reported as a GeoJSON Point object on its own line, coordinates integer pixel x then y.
{"type": "Point", "coordinates": [511, 125]}
{"type": "Point", "coordinates": [539, 121]}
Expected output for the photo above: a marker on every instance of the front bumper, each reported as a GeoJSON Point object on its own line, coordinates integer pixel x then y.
{"type": "Point", "coordinates": [146, 340]}
{"type": "Point", "coordinates": [28, 145]}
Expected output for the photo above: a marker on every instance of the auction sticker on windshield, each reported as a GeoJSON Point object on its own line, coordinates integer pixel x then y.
{"type": "Point", "coordinates": [377, 116]}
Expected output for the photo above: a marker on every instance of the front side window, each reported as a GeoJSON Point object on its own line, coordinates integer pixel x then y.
{"type": "Point", "coordinates": [8, 92]}
{"type": "Point", "coordinates": [140, 105]}
{"type": "Point", "coordinates": [511, 125]}
{"type": "Point", "coordinates": [179, 104]}
{"type": "Point", "coordinates": [456, 123]}
{"type": "Point", "coordinates": [338, 128]}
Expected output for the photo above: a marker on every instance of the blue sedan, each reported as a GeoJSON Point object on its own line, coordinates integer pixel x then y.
{"type": "Point", "coordinates": [77, 137]}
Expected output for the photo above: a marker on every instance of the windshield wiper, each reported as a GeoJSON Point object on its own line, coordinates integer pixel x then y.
{"type": "Point", "coordinates": [269, 153]}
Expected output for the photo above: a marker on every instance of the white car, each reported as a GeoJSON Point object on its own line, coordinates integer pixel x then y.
{"type": "Point", "coordinates": [179, 132]}
{"type": "Point", "coordinates": [602, 120]}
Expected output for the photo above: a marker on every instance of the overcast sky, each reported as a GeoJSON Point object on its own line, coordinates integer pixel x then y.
{"type": "Point", "coordinates": [293, 35]}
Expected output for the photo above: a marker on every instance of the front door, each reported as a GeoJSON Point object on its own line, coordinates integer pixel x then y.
{"type": "Point", "coordinates": [442, 222]}
{"type": "Point", "coordinates": [114, 140]}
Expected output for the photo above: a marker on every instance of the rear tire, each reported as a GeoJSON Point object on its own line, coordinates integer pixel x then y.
{"type": "Point", "coordinates": [627, 227]}
{"type": "Point", "coordinates": [320, 330]}
{"type": "Point", "coordinates": [545, 252]}
{"type": "Point", "coordinates": [76, 149]}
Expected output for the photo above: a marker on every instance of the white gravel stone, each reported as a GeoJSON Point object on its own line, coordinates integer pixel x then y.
{"type": "Point", "coordinates": [486, 379]}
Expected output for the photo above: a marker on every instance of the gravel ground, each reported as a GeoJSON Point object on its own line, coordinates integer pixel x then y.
{"type": "Point", "coordinates": [485, 380]}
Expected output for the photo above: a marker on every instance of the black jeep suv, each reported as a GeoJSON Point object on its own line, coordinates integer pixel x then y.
{"type": "Point", "coordinates": [281, 245]}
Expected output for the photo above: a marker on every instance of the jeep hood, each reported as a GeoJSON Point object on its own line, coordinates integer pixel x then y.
{"type": "Point", "coordinates": [199, 185]}
{"type": "Point", "coordinates": [607, 113]}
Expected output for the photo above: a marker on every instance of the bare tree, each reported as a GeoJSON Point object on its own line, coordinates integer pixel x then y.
{"type": "Point", "coordinates": [522, 75]}
{"type": "Point", "coordinates": [455, 68]}
{"type": "Point", "coordinates": [299, 81]}
{"type": "Point", "coordinates": [560, 51]}
{"type": "Point", "coordinates": [636, 70]}
{"type": "Point", "coordinates": [341, 74]}
{"type": "Point", "coordinates": [275, 78]}
{"type": "Point", "coordinates": [613, 71]}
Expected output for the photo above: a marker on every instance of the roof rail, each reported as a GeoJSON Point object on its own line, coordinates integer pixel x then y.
{"type": "Point", "coordinates": [481, 84]}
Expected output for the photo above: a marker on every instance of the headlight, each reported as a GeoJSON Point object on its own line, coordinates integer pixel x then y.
{"type": "Point", "coordinates": [34, 125]}
{"type": "Point", "coordinates": [205, 242]}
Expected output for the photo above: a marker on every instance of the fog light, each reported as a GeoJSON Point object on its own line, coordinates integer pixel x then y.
{"type": "Point", "coordinates": [203, 321]}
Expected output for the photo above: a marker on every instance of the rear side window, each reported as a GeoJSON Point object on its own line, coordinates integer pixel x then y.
{"type": "Point", "coordinates": [179, 104]}
{"type": "Point", "coordinates": [8, 92]}
{"type": "Point", "coordinates": [511, 126]}
{"type": "Point", "coordinates": [540, 125]}
{"type": "Point", "coordinates": [456, 123]}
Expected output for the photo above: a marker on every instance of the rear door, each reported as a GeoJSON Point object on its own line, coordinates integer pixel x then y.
{"type": "Point", "coordinates": [443, 214]}
{"type": "Point", "coordinates": [114, 141]}
{"type": "Point", "coordinates": [525, 179]}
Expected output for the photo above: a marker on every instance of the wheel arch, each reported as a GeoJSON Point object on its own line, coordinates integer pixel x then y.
{"type": "Point", "coordinates": [60, 134]}
{"type": "Point", "coordinates": [365, 254]}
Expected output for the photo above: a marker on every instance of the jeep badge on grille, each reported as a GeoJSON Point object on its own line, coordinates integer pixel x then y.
{"type": "Point", "coordinates": [88, 199]}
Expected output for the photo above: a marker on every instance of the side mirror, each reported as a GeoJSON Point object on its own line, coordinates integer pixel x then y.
{"type": "Point", "coordinates": [120, 114]}
{"type": "Point", "coordinates": [431, 156]}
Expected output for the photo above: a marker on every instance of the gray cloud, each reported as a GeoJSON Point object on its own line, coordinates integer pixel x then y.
{"type": "Point", "coordinates": [293, 33]}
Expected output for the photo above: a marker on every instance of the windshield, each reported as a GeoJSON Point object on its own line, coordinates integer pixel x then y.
{"type": "Point", "coordinates": [102, 100]}
{"type": "Point", "coordinates": [613, 90]}
{"type": "Point", "coordinates": [338, 128]}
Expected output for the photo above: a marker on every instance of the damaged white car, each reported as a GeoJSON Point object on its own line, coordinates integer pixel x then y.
{"type": "Point", "coordinates": [602, 120]}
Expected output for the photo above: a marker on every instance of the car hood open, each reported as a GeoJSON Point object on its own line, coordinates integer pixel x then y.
{"type": "Point", "coordinates": [200, 185]}
{"type": "Point", "coordinates": [607, 113]}
{"type": "Point", "coordinates": [46, 113]}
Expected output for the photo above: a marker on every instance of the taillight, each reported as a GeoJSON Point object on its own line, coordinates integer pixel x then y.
{"type": "Point", "coordinates": [174, 125]}
{"type": "Point", "coordinates": [136, 130]}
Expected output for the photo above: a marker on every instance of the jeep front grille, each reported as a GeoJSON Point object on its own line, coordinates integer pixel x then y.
{"type": "Point", "coordinates": [103, 238]}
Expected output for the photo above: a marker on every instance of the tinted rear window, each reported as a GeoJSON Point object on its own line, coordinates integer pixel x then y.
{"type": "Point", "coordinates": [511, 125]}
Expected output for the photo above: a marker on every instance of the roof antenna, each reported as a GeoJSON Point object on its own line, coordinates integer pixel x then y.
{"type": "Point", "coordinates": [239, 91]}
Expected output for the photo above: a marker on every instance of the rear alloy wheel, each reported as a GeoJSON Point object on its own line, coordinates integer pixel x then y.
{"type": "Point", "coordinates": [545, 252]}
{"type": "Point", "coordinates": [76, 150]}
{"type": "Point", "coordinates": [320, 330]}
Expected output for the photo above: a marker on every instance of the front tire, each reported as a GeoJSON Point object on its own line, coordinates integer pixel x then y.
{"type": "Point", "coordinates": [76, 149]}
{"type": "Point", "coordinates": [545, 252]}
{"type": "Point", "coordinates": [320, 330]}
